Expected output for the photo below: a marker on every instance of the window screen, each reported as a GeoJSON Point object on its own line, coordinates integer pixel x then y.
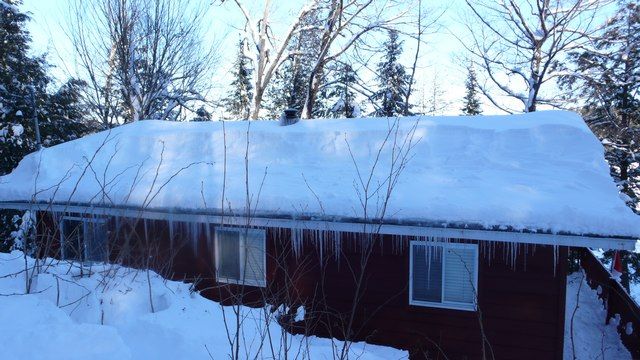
{"type": "Point", "coordinates": [240, 256]}
{"type": "Point", "coordinates": [443, 275]}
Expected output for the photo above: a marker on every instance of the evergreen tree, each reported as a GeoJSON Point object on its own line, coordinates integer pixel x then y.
{"type": "Point", "coordinates": [202, 114]}
{"type": "Point", "coordinates": [278, 93]}
{"type": "Point", "coordinates": [343, 95]}
{"type": "Point", "coordinates": [393, 80]}
{"type": "Point", "coordinates": [23, 96]}
{"type": "Point", "coordinates": [64, 113]}
{"type": "Point", "coordinates": [238, 102]}
{"type": "Point", "coordinates": [471, 99]}
{"type": "Point", "coordinates": [605, 82]}
{"type": "Point", "coordinates": [19, 76]}
{"type": "Point", "coordinates": [287, 89]}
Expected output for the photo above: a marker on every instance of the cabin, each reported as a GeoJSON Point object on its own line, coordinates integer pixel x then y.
{"type": "Point", "coordinates": [444, 236]}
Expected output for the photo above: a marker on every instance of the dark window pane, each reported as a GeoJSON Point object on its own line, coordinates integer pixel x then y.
{"type": "Point", "coordinates": [427, 273]}
{"type": "Point", "coordinates": [72, 240]}
{"type": "Point", "coordinates": [228, 254]}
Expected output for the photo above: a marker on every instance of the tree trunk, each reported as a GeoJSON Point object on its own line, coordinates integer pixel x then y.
{"type": "Point", "coordinates": [257, 101]}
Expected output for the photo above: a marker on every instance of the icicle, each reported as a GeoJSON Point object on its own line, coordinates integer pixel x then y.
{"type": "Point", "coordinates": [296, 242]}
{"type": "Point", "coordinates": [337, 245]}
{"type": "Point", "coordinates": [555, 259]}
{"type": "Point", "coordinates": [171, 233]}
{"type": "Point", "coordinates": [194, 235]}
{"type": "Point", "coordinates": [146, 230]}
{"type": "Point", "coordinates": [319, 243]}
{"type": "Point", "coordinates": [207, 230]}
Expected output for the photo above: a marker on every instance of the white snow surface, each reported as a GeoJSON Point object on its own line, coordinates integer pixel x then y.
{"type": "Point", "coordinates": [108, 316]}
{"type": "Point", "coordinates": [591, 337]}
{"type": "Point", "coordinates": [544, 170]}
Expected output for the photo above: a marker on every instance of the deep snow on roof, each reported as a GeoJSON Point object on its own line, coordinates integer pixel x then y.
{"type": "Point", "coordinates": [544, 170]}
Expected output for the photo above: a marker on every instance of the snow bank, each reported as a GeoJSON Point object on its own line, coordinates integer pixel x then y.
{"type": "Point", "coordinates": [107, 316]}
{"type": "Point", "coordinates": [543, 170]}
{"type": "Point", "coordinates": [592, 338]}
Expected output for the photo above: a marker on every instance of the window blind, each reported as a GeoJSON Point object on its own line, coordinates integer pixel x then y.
{"type": "Point", "coordinates": [254, 267]}
{"type": "Point", "coordinates": [459, 275]}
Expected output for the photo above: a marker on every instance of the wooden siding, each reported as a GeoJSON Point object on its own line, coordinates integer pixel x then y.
{"type": "Point", "coordinates": [521, 300]}
{"type": "Point", "coordinates": [522, 306]}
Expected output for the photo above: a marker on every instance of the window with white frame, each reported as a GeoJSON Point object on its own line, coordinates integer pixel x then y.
{"type": "Point", "coordinates": [83, 239]}
{"type": "Point", "coordinates": [240, 256]}
{"type": "Point", "coordinates": [443, 275]}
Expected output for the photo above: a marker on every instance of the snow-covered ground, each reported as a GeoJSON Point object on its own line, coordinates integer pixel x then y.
{"type": "Point", "coordinates": [107, 315]}
{"type": "Point", "coordinates": [591, 338]}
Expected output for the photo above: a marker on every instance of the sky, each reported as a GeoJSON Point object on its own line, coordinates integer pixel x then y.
{"type": "Point", "coordinates": [439, 62]}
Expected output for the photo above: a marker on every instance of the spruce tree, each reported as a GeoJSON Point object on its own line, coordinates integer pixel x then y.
{"type": "Point", "coordinates": [604, 81]}
{"type": "Point", "coordinates": [238, 102]}
{"type": "Point", "coordinates": [471, 99]}
{"type": "Point", "coordinates": [23, 96]}
{"type": "Point", "coordinates": [343, 95]}
{"type": "Point", "coordinates": [202, 114]}
{"type": "Point", "coordinates": [393, 80]}
{"type": "Point", "coordinates": [278, 92]}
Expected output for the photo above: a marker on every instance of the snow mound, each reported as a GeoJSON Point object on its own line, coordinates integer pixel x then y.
{"type": "Point", "coordinates": [538, 171]}
{"type": "Point", "coordinates": [108, 316]}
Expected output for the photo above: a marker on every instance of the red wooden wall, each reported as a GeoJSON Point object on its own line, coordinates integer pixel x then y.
{"type": "Point", "coordinates": [521, 299]}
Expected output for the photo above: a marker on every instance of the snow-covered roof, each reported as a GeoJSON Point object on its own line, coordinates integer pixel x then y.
{"type": "Point", "coordinates": [541, 171]}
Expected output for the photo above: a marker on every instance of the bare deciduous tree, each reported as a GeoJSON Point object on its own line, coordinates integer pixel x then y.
{"type": "Point", "coordinates": [517, 43]}
{"type": "Point", "coordinates": [268, 51]}
{"type": "Point", "coordinates": [141, 58]}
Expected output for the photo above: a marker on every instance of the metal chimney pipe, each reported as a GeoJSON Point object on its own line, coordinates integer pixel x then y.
{"type": "Point", "coordinates": [289, 117]}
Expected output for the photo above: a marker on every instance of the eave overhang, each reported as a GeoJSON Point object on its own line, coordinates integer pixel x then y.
{"type": "Point", "coordinates": [320, 223]}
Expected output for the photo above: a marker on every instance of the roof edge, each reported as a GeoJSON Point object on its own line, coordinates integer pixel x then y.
{"type": "Point", "coordinates": [434, 229]}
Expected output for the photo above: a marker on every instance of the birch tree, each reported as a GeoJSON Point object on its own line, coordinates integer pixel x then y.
{"type": "Point", "coordinates": [518, 42]}
{"type": "Point", "coordinates": [268, 50]}
{"type": "Point", "coordinates": [343, 26]}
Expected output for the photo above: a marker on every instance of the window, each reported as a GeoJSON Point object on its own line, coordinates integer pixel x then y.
{"type": "Point", "coordinates": [240, 256]}
{"type": "Point", "coordinates": [83, 239]}
{"type": "Point", "coordinates": [443, 275]}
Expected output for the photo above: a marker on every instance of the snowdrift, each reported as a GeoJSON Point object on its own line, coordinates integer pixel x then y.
{"type": "Point", "coordinates": [107, 315]}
